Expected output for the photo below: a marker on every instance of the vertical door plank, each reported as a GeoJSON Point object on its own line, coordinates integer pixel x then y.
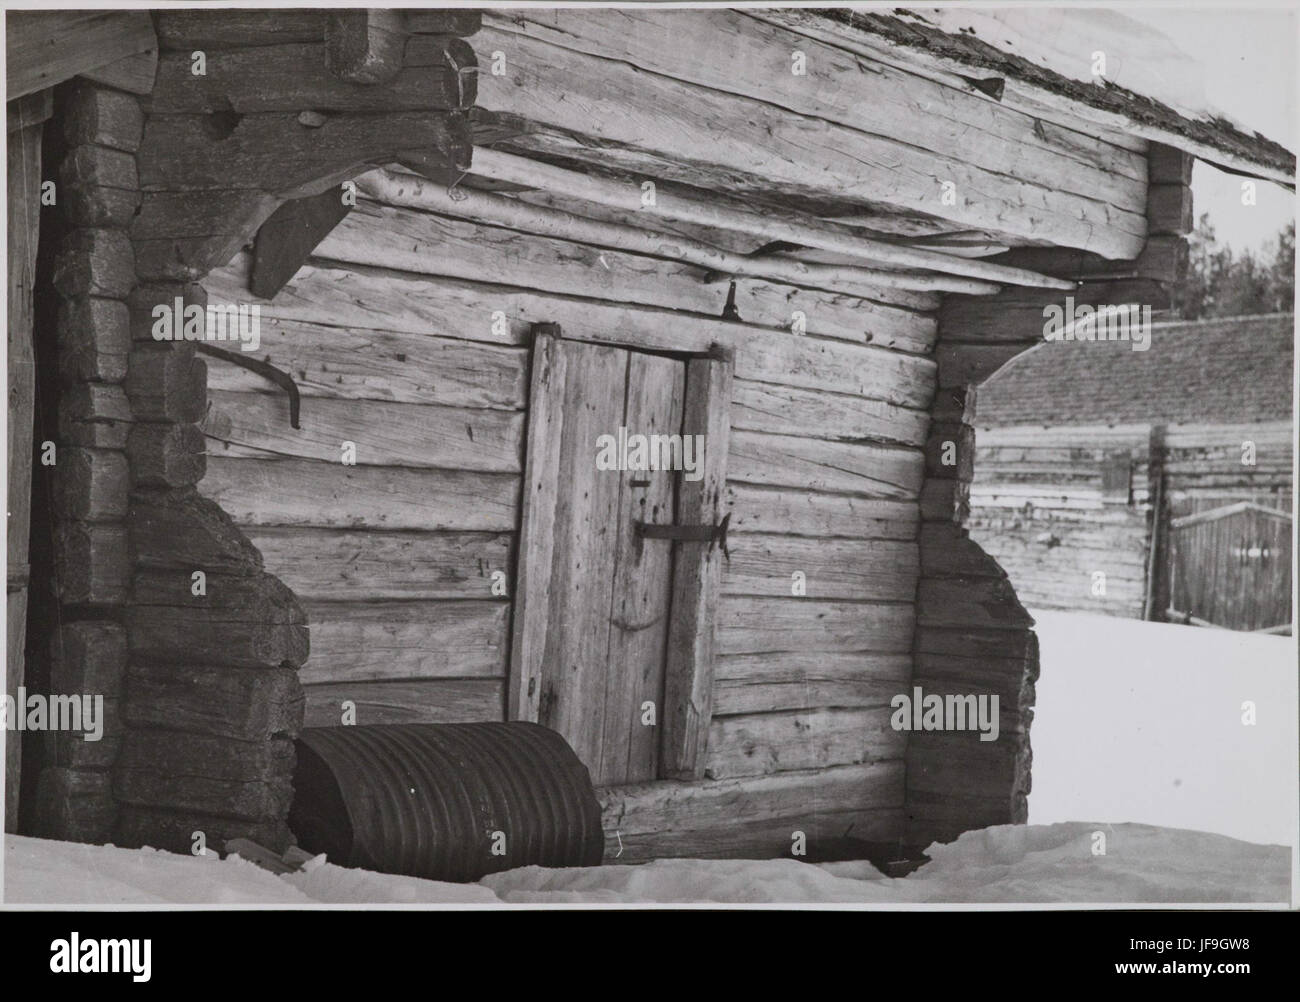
{"type": "Point", "coordinates": [642, 579]}
{"type": "Point", "coordinates": [697, 571]}
{"type": "Point", "coordinates": [541, 486]}
{"type": "Point", "coordinates": [586, 534]}
{"type": "Point", "coordinates": [24, 166]}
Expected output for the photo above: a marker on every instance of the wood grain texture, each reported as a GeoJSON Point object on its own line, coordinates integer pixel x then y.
{"type": "Point", "coordinates": [697, 574]}
{"type": "Point", "coordinates": [441, 701]}
{"type": "Point", "coordinates": [310, 492]}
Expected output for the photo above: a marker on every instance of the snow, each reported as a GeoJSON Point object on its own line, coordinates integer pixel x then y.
{"type": "Point", "coordinates": [1006, 864]}
{"type": "Point", "coordinates": [1143, 722]}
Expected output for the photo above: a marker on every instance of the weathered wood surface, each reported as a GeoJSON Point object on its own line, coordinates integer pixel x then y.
{"type": "Point", "coordinates": [466, 310]}
{"type": "Point", "coordinates": [276, 152]}
{"type": "Point", "coordinates": [369, 641]}
{"type": "Point", "coordinates": [362, 566]}
{"type": "Point", "coordinates": [294, 76]}
{"type": "Point", "coordinates": [539, 510]}
{"type": "Point", "coordinates": [365, 46]}
{"type": "Point", "coordinates": [799, 512]}
{"type": "Point", "coordinates": [442, 701]}
{"type": "Point", "coordinates": [833, 568]}
{"type": "Point", "coordinates": [367, 298]}
{"type": "Point", "coordinates": [385, 434]}
{"type": "Point", "coordinates": [309, 492]}
{"type": "Point", "coordinates": [203, 29]}
{"type": "Point", "coordinates": [767, 683]}
{"type": "Point", "coordinates": [835, 467]}
{"type": "Point", "coordinates": [24, 181]}
{"type": "Point", "coordinates": [359, 364]}
{"type": "Point", "coordinates": [750, 57]}
{"type": "Point", "coordinates": [815, 739]}
{"type": "Point", "coordinates": [759, 625]}
{"type": "Point", "coordinates": [751, 816]}
{"type": "Point", "coordinates": [133, 74]}
{"type": "Point", "coordinates": [652, 582]}
{"type": "Point", "coordinates": [785, 410]}
{"type": "Point", "coordinates": [655, 125]}
{"type": "Point", "coordinates": [697, 574]}
{"type": "Point", "coordinates": [47, 47]}
{"type": "Point", "coordinates": [247, 705]}
{"type": "Point", "coordinates": [94, 339]}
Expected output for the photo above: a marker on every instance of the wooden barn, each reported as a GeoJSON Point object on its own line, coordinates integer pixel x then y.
{"type": "Point", "coordinates": [610, 369]}
{"type": "Point", "coordinates": [1168, 471]}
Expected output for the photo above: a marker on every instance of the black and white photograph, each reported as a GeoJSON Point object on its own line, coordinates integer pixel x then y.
{"type": "Point", "coordinates": [650, 457]}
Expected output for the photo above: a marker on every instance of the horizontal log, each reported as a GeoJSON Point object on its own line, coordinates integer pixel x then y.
{"type": "Point", "coordinates": [970, 602]}
{"type": "Point", "coordinates": [442, 701]}
{"type": "Point", "coordinates": [750, 57]}
{"type": "Point", "coordinates": [806, 513]}
{"type": "Point", "coordinates": [92, 564]}
{"type": "Point", "coordinates": [967, 364]}
{"type": "Point", "coordinates": [358, 364]}
{"type": "Point", "coordinates": [133, 74]}
{"type": "Point", "coordinates": [373, 641]}
{"type": "Point", "coordinates": [292, 76]}
{"type": "Point", "coordinates": [94, 339]}
{"type": "Point", "coordinates": [466, 310]}
{"type": "Point", "coordinates": [785, 461]}
{"type": "Point", "coordinates": [852, 569]}
{"type": "Point", "coordinates": [47, 47]}
{"type": "Point", "coordinates": [94, 415]}
{"type": "Point", "coordinates": [203, 29]}
{"type": "Point", "coordinates": [786, 410]}
{"type": "Point", "coordinates": [91, 485]}
{"type": "Point", "coordinates": [307, 492]}
{"type": "Point", "coordinates": [88, 656]}
{"type": "Point", "coordinates": [1020, 314]}
{"type": "Point", "coordinates": [451, 21]}
{"type": "Point", "coordinates": [166, 455]}
{"type": "Point", "coordinates": [976, 642]}
{"type": "Point", "coordinates": [757, 625]}
{"type": "Point", "coordinates": [74, 804]}
{"type": "Point", "coordinates": [276, 152]}
{"type": "Point", "coordinates": [167, 382]}
{"type": "Point", "coordinates": [206, 756]}
{"type": "Point", "coordinates": [168, 633]}
{"type": "Point", "coordinates": [173, 831]}
{"type": "Point", "coordinates": [384, 434]}
{"type": "Point", "coordinates": [255, 598]}
{"type": "Point", "coordinates": [414, 192]}
{"type": "Point", "coordinates": [338, 565]}
{"type": "Point", "coordinates": [364, 298]}
{"type": "Point", "coordinates": [180, 530]}
{"type": "Point", "coordinates": [815, 739]}
{"type": "Point", "coordinates": [765, 683]}
{"type": "Point", "coordinates": [663, 807]}
{"type": "Point", "coordinates": [243, 704]}
{"type": "Point", "coordinates": [945, 500]}
{"type": "Point", "coordinates": [660, 127]}
{"type": "Point", "coordinates": [246, 800]}
{"type": "Point", "coordinates": [99, 187]}
{"type": "Point", "coordinates": [94, 262]}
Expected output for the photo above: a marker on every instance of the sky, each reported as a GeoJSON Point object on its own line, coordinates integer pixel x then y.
{"type": "Point", "coordinates": [1247, 63]}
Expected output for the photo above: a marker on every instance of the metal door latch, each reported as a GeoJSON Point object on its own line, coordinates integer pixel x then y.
{"type": "Point", "coordinates": [688, 533]}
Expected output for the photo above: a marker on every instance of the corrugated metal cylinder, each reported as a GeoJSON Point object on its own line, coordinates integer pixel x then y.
{"type": "Point", "coordinates": [428, 800]}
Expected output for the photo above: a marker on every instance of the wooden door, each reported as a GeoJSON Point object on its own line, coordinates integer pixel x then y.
{"type": "Point", "coordinates": [1231, 566]}
{"type": "Point", "coordinates": [594, 617]}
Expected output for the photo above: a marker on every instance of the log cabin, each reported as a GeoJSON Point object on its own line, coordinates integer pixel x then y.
{"type": "Point", "coordinates": [1166, 470]}
{"type": "Point", "coordinates": [477, 241]}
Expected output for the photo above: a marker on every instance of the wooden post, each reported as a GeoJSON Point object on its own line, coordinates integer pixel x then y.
{"type": "Point", "coordinates": [24, 164]}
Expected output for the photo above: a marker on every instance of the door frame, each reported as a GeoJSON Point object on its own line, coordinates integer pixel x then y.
{"type": "Point", "coordinates": [697, 566]}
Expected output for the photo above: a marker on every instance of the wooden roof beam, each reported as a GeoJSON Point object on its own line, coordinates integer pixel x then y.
{"type": "Point", "coordinates": [769, 223]}
{"type": "Point", "coordinates": [44, 48]}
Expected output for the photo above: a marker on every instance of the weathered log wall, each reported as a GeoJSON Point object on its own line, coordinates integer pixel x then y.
{"type": "Point", "coordinates": [400, 346]}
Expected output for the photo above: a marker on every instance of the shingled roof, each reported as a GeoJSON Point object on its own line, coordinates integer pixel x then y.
{"type": "Point", "coordinates": [1230, 371]}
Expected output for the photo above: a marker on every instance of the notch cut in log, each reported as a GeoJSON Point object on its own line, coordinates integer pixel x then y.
{"type": "Point", "coordinates": [288, 237]}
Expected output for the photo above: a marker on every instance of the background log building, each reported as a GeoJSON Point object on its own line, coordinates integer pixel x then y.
{"type": "Point", "coordinates": [804, 235]}
{"type": "Point", "coordinates": [1168, 470]}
